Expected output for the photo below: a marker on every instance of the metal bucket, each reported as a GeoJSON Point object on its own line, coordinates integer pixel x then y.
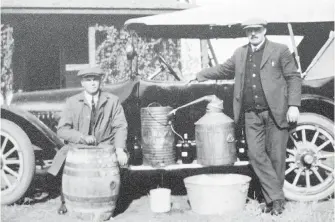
{"type": "Point", "coordinates": [91, 182]}
{"type": "Point", "coordinates": [217, 194]}
{"type": "Point", "coordinates": [160, 200]}
{"type": "Point", "coordinates": [157, 137]}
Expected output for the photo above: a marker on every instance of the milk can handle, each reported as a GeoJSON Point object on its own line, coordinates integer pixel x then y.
{"type": "Point", "coordinates": [230, 138]}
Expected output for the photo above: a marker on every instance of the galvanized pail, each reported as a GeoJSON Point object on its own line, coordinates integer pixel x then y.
{"type": "Point", "coordinates": [217, 194]}
{"type": "Point", "coordinates": [157, 137]}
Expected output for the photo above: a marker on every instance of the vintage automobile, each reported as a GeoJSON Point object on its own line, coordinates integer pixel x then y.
{"type": "Point", "coordinates": [29, 141]}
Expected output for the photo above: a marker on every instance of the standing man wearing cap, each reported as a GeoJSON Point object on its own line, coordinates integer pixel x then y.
{"type": "Point", "coordinates": [92, 117]}
{"type": "Point", "coordinates": [267, 96]}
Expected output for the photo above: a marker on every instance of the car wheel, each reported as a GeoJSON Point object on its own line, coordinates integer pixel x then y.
{"type": "Point", "coordinates": [309, 174]}
{"type": "Point", "coordinates": [17, 162]}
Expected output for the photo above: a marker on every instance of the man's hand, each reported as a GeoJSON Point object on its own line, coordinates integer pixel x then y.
{"type": "Point", "coordinates": [292, 115]}
{"type": "Point", "coordinates": [122, 156]}
{"type": "Point", "coordinates": [88, 140]}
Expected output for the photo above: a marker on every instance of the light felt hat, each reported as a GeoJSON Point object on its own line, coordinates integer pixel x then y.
{"type": "Point", "coordinates": [93, 71]}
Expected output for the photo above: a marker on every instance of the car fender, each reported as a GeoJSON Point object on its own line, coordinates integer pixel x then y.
{"type": "Point", "coordinates": [318, 104]}
{"type": "Point", "coordinates": [39, 134]}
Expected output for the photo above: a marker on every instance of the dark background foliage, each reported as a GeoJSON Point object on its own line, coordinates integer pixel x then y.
{"type": "Point", "coordinates": [111, 54]}
{"type": "Point", "coordinates": [7, 48]}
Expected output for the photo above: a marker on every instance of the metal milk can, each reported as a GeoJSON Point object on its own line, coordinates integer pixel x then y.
{"type": "Point", "coordinates": [214, 134]}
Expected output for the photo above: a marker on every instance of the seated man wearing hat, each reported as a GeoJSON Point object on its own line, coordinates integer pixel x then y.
{"type": "Point", "coordinates": [267, 95]}
{"type": "Point", "coordinates": [92, 117]}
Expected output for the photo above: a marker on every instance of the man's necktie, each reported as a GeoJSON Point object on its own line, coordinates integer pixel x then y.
{"type": "Point", "coordinates": [92, 118]}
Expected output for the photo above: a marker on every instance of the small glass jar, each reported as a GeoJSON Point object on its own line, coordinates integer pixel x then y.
{"type": "Point", "coordinates": [187, 154]}
{"type": "Point", "coordinates": [137, 158]}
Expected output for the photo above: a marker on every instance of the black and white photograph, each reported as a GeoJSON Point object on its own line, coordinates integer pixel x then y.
{"type": "Point", "coordinates": [167, 110]}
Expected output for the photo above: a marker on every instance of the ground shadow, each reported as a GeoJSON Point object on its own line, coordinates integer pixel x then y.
{"type": "Point", "coordinates": [136, 184]}
{"type": "Point", "coordinates": [43, 188]}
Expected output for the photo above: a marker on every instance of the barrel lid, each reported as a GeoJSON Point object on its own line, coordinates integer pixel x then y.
{"type": "Point", "coordinates": [214, 119]}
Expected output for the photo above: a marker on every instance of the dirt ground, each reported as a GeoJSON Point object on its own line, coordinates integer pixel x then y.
{"type": "Point", "coordinates": [139, 210]}
{"type": "Point", "coordinates": [134, 205]}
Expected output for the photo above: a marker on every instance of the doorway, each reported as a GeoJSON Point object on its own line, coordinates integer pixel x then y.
{"type": "Point", "coordinates": [43, 63]}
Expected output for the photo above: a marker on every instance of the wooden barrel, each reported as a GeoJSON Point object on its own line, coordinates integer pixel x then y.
{"type": "Point", "coordinates": [91, 182]}
{"type": "Point", "coordinates": [157, 136]}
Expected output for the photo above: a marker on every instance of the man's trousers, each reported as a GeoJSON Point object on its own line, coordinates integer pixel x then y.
{"type": "Point", "coordinates": [267, 152]}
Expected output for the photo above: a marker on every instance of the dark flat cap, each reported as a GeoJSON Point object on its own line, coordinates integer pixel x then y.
{"type": "Point", "coordinates": [254, 23]}
{"type": "Point", "coordinates": [93, 71]}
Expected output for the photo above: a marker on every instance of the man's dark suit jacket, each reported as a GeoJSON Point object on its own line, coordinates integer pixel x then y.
{"type": "Point", "coordinates": [279, 76]}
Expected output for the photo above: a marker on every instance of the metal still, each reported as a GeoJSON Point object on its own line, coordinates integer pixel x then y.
{"type": "Point", "coordinates": [214, 134]}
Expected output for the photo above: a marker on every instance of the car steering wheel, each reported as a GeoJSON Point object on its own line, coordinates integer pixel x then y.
{"type": "Point", "coordinates": [162, 60]}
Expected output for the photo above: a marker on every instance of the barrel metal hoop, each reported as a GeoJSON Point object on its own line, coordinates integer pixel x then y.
{"type": "Point", "coordinates": [90, 165]}
{"type": "Point", "coordinates": [91, 199]}
{"type": "Point", "coordinates": [94, 173]}
{"type": "Point", "coordinates": [110, 205]}
{"type": "Point", "coordinates": [103, 215]}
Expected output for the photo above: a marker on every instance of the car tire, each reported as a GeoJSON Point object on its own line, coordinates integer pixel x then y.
{"type": "Point", "coordinates": [309, 174]}
{"type": "Point", "coordinates": [17, 162]}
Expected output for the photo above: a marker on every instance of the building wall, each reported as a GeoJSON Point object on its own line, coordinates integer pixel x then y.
{"type": "Point", "coordinates": [52, 34]}
{"type": "Point", "coordinates": [45, 44]}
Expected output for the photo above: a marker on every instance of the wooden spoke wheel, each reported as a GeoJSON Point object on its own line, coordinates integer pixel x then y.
{"type": "Point", "coordinates": [309, 171]}
{"type": "Point", "coordinates": [17, 162]}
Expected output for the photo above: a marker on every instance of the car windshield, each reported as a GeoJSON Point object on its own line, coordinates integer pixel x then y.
{"type": "Point", "coordinates": [171, 59]}
{"type": "Point", "coordinates": [184, 55]}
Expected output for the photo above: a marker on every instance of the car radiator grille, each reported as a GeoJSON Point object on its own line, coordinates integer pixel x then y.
{"type": "Point", "coordinates": [49, 118]}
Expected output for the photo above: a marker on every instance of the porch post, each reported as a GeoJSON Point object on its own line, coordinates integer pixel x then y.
{"type": "Point", "coordinates": [91, 46]}
{"type": "Point", "coordinates": [204, 53]}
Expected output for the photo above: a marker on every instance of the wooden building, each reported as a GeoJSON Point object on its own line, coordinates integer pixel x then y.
{"type": "Point", "coordinates": [55, 38]}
